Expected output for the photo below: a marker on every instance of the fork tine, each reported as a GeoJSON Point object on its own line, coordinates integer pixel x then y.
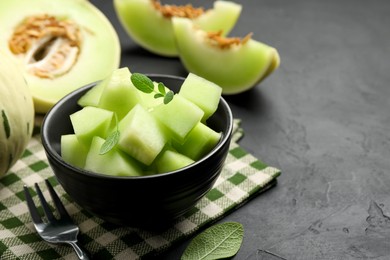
{"type": "Point", "coordinates": [44, 203]}
{"type": "Point", "coordinates": [60, 207]}
{"type": "Point", "coordinates": [31, 206]}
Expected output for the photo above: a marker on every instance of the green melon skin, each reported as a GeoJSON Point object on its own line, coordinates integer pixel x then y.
{"type": "Point", "coordinates": [91, 121]}
{"type": "Point", "coordinates": [200, 141]}
{"type": "Point", "coordinates": [235, 69]}
{"type": "Point", "coordinates": [170, 160]}
{"type": "Point", "coordinates": [16, 113]}
{"type": "Point", "coordinates": [100, 49]}
{"type": "Point", "coordinates": [179, 116]}
{"type": "Point", "coordinates": [73, 151]}
{"type": "Point", "coordinates": [115, 162]}
{"type": "Point", "coordinates": [154, 32]}
{"type": "Point", "coordinates": [203, 93]}
{"type": "Point", "coordinates": [141, 135]}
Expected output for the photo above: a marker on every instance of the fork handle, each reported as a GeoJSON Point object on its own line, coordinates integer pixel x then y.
{"type": "Point", "coordinates": [81, 253]}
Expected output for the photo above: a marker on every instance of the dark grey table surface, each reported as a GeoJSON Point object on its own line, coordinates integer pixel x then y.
{"type": "Point", "coordinates": [323, 118]}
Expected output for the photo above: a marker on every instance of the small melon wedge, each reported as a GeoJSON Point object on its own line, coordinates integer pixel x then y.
{"type": "Point", "coordinates": [73, 151]}
{"type": "Point", "coordinates": [92, 96]}
{"type": "Point", "coordinates": [151, 28]}
{"type": "Point", "coordinates": [141, 135]}
{"type": "Point", "coordinates": [91, 121]}
{"type": "Point", "coordinates": [179, 116]}
{"type": "Point", "coordinates": [235, 67]}
{"type": "Point", "coordinates": [201, 140]}
{"type": "Point", "coordinates": [203, 93]}
{"type": "Point", "coordinates": [171, 160]}
{"type": "Point", "coordinates": [115, 162]}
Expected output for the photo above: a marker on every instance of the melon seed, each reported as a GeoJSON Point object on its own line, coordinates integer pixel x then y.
{"type": "Point", "coordinates": [50, 46]}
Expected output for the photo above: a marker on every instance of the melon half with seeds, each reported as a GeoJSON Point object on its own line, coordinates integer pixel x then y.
{"type": "Point", "coordinates": [148, 22]}
{"type": "Point", "coordinates": [235, 64]}
{"type": "Point", "coordinates": [61, 45]}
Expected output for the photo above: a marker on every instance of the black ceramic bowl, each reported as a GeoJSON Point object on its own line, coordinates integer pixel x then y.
{"type": "Point", "coordinates": [147, 201]}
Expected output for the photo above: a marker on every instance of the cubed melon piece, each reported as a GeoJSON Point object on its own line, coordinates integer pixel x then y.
{"type": "Point", "coordinates": [171, 160]}
{"type": "Point", "coordinates": [115, 162]}
{"type": "Point", "coordinates": [203, 93]}
{"type": "Point", "coordinates": [119, 95]}
{"type": "Point", "coordinates": [92, 96]}
{"type": "Point", "coordinates": [91, 121]}
{"type": "Point", "coordinates": [141, 135]}
{"type": "Point", "coordinates": [179, 116]}
{"type": "Point", "coordinates": [73, 151]}
{"type": "Point", "coordinates": [200, 141]}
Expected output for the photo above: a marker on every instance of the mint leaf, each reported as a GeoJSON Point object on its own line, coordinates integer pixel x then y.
{"type": "Point", "coordinates": [168, 97]}
{"type": "Point", "coordinates": [161, 88]}
{"type": "Point", "coordinates": [158, 95]}
{"type": "Point", "coordinates": [112, 139]}
{"type": "Point", "coordinates": [110, 142]}
{"type": "Point", "coordinates": [142, 82]}
{"type": "Point", "coordinates": [218, 241]}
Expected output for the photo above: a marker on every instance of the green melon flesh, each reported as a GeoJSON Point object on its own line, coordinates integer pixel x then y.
{"type": "Point", "coordinates": [171, 160]}
{"type": "Point", "coordinates": [201, 140]}
{"type": "Point", "coordinates": [73, 151]}
{"type": "Point", "coordinates": [91, 121]}
{"type": "Point", "coordinates": [115, 162]}
{"type": "Point", "coordinates": [141, 135]}
{"type": "Point", "coordinates": [203, 93]}
{"type": "Point", "coordinates": [235, 69]}
{"type": "Point", "coordinates": [119, 95]}
{"type": "Point", "coordinates": [150, 29]}
{"type": "Point", "coordinates": [179, 116]}
{"type": "Point", "coordinates": [99, 51]}
{"type": "Point", "coordinates": [92, 96]}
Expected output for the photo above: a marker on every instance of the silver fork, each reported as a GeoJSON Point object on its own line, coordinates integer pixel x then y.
{"type": "Point", "coordinates": [61, 230]}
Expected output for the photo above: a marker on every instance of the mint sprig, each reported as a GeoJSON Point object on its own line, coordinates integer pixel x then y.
{"type": "Point", "coordinates": [145, 84]}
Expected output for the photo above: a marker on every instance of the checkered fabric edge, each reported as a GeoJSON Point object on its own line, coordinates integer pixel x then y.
{"type": "Point", "coordinates": [243, 176]}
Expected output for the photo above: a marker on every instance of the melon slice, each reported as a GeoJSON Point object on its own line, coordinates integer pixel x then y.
{"type": "Point", "coordinates": [141, 135]}
{"type": "Point", "coordinates": [203, 93]}
{"type": "Point", "coordinates": [179, 116]}
{"type": "Point", "coordinates": [115, 162]}
{"type": "Point", "coordinates": [73, 151]}
{"type": "Point", "coordinates": [200, 141]}
{"type": "Point", "coordinates": [148, 22]}
{"type": "Point", "coordinates": [234, 64]}
{"type": "Point", "coordinates": [80, 46]}
{"type": "Point", "coordinates": [171, 160]}
{"type": "Point", "coordinates": [91, 121]}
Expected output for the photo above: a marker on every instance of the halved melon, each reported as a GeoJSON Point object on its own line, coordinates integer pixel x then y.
{"type": "Point", "coordinates": [234, 64]}
{"type": "Point", "coordinates": [62, 45]}
{"type": "Point", "coordinates": [148, 22]}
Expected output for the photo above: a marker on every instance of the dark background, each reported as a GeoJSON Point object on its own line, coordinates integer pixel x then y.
{"type": "Point", "coordinates": [323, 118]}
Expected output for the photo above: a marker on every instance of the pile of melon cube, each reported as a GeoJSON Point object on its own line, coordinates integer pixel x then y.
{"type": "Point", "coordinates": [153, 137]}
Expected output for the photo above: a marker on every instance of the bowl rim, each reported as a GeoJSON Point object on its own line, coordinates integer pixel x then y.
{"type": "Point", "coordinates": [50, 151]}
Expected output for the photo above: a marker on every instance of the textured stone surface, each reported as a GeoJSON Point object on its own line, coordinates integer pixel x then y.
{"type": "Point", "coordinates": [323, 118]}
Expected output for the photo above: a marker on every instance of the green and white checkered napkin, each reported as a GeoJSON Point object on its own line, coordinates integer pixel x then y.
{"type": "Point", "coordinates": [242, 177]}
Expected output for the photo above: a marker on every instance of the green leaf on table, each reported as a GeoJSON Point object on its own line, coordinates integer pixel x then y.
{"type": "Point", "coordinates": [217, 242]}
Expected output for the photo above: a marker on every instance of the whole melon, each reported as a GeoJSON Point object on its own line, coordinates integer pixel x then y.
{"type": "Point", "coordinates": [16, 113]}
